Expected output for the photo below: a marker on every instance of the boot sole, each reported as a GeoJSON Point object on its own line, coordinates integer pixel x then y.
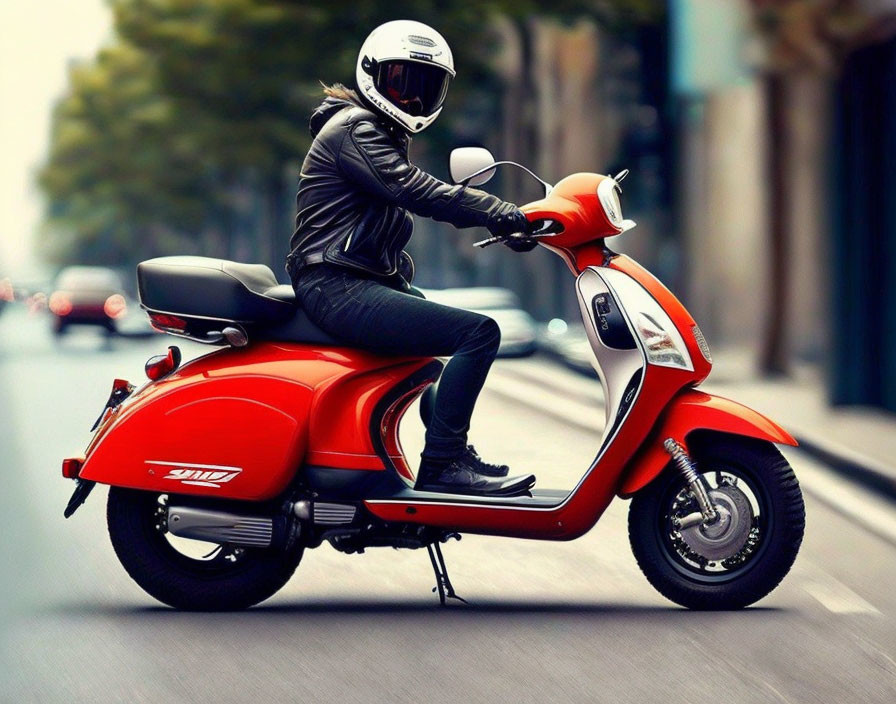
{"type": "Point", "coordinates": [518, 489]}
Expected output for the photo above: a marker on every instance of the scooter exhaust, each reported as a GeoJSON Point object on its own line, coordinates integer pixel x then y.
{"type": "Point", "coordinates": [250, 531]}
{"type": "Point", "coordinates": [220, 526]}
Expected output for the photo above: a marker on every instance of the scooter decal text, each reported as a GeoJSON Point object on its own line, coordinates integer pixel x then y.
{"type": "Point", "coordinates": [198, 474]}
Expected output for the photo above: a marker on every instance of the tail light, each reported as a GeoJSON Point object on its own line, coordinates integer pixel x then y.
{"type": "Point", "coordinates": [167, 323]}
{"type": "Point", "coordinates": [60, 304]}
{"type": "Point", "coordinates": [163, 364]}
{"type": "Point", "coordinates": [115, 306]}
{"type": "Point", "coordinates": [71, 467]}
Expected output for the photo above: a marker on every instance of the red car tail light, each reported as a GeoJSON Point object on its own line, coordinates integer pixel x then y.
{"type": "Point", "coordinates": [71, 467]}
{"type": "Point", "coordinates": [115, 306]}
{"type": "Point", "coordinates": [167, 323]}
{"type": "Point", "coordinates": [7, 293]}
{"type": "Point", "coordinates": [163, 364]}
{"type": "Point", "coordinates": [60, 304]}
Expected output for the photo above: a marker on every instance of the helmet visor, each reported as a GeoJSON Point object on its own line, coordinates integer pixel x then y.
{"type": "Point", "coordinates": [415, 88]}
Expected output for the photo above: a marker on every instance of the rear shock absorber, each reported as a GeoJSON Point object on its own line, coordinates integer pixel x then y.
{"type": "Point", "coordinates": [688, 470]}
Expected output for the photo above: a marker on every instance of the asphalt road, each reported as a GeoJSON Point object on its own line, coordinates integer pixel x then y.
{"type": "Point", "coordinates": [547, 622]}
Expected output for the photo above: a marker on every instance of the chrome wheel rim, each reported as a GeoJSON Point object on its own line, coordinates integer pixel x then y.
{"type": "Point", "coordinates": [727, 548]}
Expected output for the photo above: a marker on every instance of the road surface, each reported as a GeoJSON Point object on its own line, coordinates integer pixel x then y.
{"type": "Point", "coordinates": [547, 622]}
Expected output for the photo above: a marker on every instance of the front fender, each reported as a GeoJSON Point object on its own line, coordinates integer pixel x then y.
{"type": "Point", "coordinates": [694, 410]}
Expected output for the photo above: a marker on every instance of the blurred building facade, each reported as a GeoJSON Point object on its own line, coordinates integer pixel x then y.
{"type": "Point", "coordinates": [783, 180]}
{"type": "Point", "coordinates": [761, 193]}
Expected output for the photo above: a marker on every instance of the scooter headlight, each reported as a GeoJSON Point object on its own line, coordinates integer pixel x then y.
{"type": "Point", "coordinates": [659, 346]}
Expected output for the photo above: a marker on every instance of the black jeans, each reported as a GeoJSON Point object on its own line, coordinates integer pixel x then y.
{"type": "Point", "coordinates": [388, 317]}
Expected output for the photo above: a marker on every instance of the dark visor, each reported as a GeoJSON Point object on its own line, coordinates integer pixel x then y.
{"type": "Point", "coordinates": [415, 88]}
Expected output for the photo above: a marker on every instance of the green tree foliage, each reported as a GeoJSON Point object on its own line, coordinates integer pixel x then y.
{"type": "Point", "coordinates": [122, 172]}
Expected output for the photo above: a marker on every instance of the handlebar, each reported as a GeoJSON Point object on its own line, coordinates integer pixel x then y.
{"type": "Point", "coordinates": [539, 229]}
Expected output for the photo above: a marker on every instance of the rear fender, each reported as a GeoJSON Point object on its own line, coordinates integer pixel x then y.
{"type": "Point", "coordinates": [690, 411]}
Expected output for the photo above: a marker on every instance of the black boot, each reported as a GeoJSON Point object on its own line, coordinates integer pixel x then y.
{"type": "Point", "coordinates": [460, 476]}
{"type": "Point", "coordinates": [484, 468]}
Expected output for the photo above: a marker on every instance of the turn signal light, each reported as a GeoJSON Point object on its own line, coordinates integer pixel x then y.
{"type": "Point", "coordinates": [163, 364]}
{"type": "Point", "coordinates": [71, 467]}
{"type": "Point", "coordinates": [167, 323]}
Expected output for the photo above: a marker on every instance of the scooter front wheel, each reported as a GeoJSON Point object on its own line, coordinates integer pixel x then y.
{"type": "Point", "coordinates": [746, 552]}
{"type": "Point", "coordinates": [225, 579]}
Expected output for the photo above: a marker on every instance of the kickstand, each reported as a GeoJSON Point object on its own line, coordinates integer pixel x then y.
{"type": "Point", "coordinates": [443, 583]}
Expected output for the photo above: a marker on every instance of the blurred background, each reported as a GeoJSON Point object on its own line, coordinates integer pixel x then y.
{"type": "Point", "coordinates": [761, 143]}
{"type": "Point", "coordinates": [758, 134]}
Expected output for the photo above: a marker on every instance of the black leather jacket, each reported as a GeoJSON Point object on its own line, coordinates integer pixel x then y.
{"type": "Point", "coordinates": [357, 187]}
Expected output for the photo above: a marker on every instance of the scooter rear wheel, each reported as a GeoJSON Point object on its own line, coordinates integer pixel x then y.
{"type": "Point", "coordinates": [746, 554]}
{"type": "Point", "coordinates": [230, 578]}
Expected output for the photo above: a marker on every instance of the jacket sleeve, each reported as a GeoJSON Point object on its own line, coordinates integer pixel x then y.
{"type": "Point", "coordinates": [369, 158]}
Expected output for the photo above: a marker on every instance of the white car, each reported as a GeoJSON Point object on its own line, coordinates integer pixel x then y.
{"type": "Point", "coordinates": [518, 328]}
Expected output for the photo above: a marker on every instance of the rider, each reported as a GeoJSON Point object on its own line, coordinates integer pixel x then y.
{"type": "Point", "coordinates": [347, 262]}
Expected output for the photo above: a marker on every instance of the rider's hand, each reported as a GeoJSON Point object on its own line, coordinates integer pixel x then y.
{"type": "Point", "coordinates": [508, 222]}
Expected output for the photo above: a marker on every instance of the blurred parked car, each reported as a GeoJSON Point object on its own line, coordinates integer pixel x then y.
{"type": "Point", "coordinates": [7, 294]}
{"type": "Point", "coordinates": [569, 343]}
{"type": "Point", "coordinates": [87, 295]}
{"type": "Point", "coordinates": [518, 328]}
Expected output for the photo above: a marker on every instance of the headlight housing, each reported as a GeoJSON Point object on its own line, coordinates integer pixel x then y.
{"type": "Point", "coordinates": [608, 195]}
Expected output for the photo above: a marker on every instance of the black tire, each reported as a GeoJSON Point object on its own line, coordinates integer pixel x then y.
{"type": "Point", "coordinates": [232, 580]}
{"type": "Point", "coordinates": [677, 571]}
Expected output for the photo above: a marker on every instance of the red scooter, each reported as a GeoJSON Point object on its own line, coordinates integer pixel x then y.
{"type": "Point", "coordinates": [284, 439]}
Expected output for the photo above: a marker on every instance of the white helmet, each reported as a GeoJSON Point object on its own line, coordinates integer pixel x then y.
{"type": "Point", "coordinates": [403, 70]}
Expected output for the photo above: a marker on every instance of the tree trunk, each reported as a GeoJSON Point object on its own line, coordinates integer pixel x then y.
{"type": "Point", "coordinates": [774, 356]}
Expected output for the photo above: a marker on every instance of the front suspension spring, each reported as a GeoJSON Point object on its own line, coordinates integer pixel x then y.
{"type": "Point", "coordinates": [686, 466]}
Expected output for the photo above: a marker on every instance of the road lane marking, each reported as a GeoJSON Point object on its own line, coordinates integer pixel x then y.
{"type": "Point", "coordinates": [836, 597]}
{"type": "Point", "coordinates": [589, 419]}
{"type": "Point", "coordinates": [586, 389]}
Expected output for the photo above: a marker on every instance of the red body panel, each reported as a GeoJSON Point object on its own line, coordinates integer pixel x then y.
{"type": "Point", "coordinates": [694, 410]}
{"type": "Point", "coordinates": [239, 423]}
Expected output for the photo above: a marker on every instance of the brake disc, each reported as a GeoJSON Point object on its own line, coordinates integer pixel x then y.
{"type": "Point", "coordinates": [726, 536]}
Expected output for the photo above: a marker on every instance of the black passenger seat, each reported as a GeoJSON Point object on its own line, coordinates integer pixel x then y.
{"type": "Point", "coordinates": [211, 289]}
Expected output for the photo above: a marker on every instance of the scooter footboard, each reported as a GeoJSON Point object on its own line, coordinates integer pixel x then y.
{"type": "Point", "coordinates": [694, 410]}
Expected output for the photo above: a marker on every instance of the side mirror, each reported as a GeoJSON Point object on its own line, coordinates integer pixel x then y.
{"type": "Point", "coordinates": [465, 162]}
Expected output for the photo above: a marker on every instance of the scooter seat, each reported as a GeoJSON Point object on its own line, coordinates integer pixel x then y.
{"type": "Point", "coordinates": [207, 289]}
{"type": "Point", "coordinates": [212, 288]}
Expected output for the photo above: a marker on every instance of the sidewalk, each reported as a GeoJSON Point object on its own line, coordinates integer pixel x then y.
{"type": "Point", "coordinates": [857, 441]}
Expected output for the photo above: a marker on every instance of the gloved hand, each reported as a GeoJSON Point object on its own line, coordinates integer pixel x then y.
{"type": "Point", "coordinates": [508, 222]}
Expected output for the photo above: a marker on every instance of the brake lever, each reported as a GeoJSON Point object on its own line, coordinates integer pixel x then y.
{"type": "Point", "coordinates": [515, 236]}
{"type": "Point", "coordinates": [486, 242]}
{"type": "Point", "coordinates": [534, 235]}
